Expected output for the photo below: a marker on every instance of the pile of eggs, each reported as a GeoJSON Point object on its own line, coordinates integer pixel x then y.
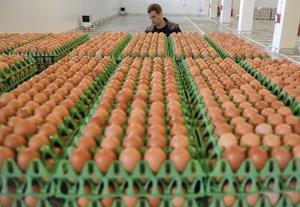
{"type": "Point", "coordinates": [236, 47]}
{"type": "Point", "coordinates": [191, 44]}
{"type": "Point", "coordinates": [147, 45]}
{"type": "Point", "coordinates": [104, 44]}
{"type": "Point", "coordinates": [9, 42]}
{"type": "Point", "coordinates": [48, 44]}
{"type": "Point", "coordinates": [283, 73]}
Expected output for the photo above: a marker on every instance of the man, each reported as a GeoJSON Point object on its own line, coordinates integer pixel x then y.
{"type": "Point", "coordinates": [160, 23]}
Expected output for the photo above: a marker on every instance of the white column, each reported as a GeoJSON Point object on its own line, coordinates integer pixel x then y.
{"type": "Point", "coordinates": [226, 6]}
{"type": "Point", "coordinates": [213, 8]}
{"type": "Point", "coordinates": [205, 7]}
{"type": "Point", "coordinates": [246, 16]}
{"type": "Point", "coordinates": [285, 31]}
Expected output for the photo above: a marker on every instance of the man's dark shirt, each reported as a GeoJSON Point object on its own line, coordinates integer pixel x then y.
{"type": "Point", "coordinates": [168, 29]}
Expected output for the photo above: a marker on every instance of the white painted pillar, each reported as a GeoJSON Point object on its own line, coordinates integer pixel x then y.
{"type": "Point", "coordinates": [286, 26]}
{"type": "Point", "coordinates": [226, 6]}
{"type": "Point", "coordinates": [213, 8]}
{"type": "Point", "coordinates": [246, 16]}
{"type": "Point", "coordinates": [205, 7]}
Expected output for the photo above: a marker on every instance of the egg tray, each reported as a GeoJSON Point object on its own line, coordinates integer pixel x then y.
{"type": "Point", "coordinates": [17, 78]}
{"type": "Point", "coordinates": [118, 202]}
{"type": "Point", "coordinates": [68, 188]}
{"type": "Point", "coordinates": [275, 89]}
{"type": "Point", "coordinates": [175, 56]}
{"type": "Point", "coordinates": [284, 200]}
{"type": "Point", "coordinates": [224, 54]}
{"type": "Point", "coordinates": [219, 49]}
{"type": "Point", "coordinates": [166, 46]}
{"type": "Point", "coordinates": [248, 168]}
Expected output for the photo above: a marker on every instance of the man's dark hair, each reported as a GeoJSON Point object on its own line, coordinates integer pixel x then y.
{"type": "Point", "coordinates": [154, 7]}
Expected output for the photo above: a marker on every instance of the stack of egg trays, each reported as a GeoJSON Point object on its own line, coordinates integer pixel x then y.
{"type": "Point", "coordinates": [14, 75]}
{"type": "Point", "coordinates": [37, 171]}
{"type": "Point", "coordinates": [222, 172]}
{"type": "Point", "coordinates": [44, 59]}
{"type": "Point", "coordinates": [217, 47]}
{"type": "Point", "coordinates": [274, 88]}
{"type": "Point", "coordinates": [166, 45]}
{"type": "Point", "coordinates": [70, 184]}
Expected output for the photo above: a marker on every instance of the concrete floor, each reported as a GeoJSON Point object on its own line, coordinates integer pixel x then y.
{"type": "Point", "coordinates": [261, 36]}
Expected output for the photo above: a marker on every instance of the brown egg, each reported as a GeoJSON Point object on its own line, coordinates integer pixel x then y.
{"type": "Point", "coordinates": [283, 129]}
{"type": "Point", "coordinates": [92, 130]}
{"type": "Point", "coordinates": [133, 141]}
{"type": "Point", "coordinates": [110, 143]}
{"type": "Point", "coordinates": [114, 130]}
{"type": "Point", "coordinates": [6, 153]}
{"type": "Point", "coordinates": [25, 127]}
{"type": "Point", "coordinates": [104, 158]}
{"type": "Point", "coordinates": [83, 201]}
{"type": "Point", "coordinates": [227, 139]}
{"type": "Point", "coordinates": [243, 128]}
{"type": "Point", "coordinates": [155, 200]}
{"type": "Point", "coordinates": [139, 104]}
{"type": "Point", "coordinates": [38, 141]}
{"type": "Point", "coordinates": [229, 199]}
{"type": "Point", "coordinates": [156, 141]}
{"type": "Point", "coordinates": [222, 129]}
{"type": "Point", "coordinates": [7, 201]}
{"type": "Point", "coordinates": [263, 129]}
{"type": "Point", "coordinates": [31, 200]}
{"type": "Point", "coordinates": [234, 155]}
{"type": "Point", "coordinates": [271, 141]}
{"type": "Point", "coordinates": [156, 120]}
{"type": "Point", "coordinates": [26, 156]}
{"type": "Point", "coordinates": [156, 130]}
{"type": "Point", "coordinates": [250, 140]}
{"type": "Point", "coordinates": [129, 158]}
{"type": "Point", "coordinates": [178, 201]}
{"type": "Point", "coordinates": [178, 129]}
{"type": "Point", "coordinates": [291, 119]}
{"type": "Point", "coordinates": [284, 111]}
{"type": "Point", "coordinates": [86, 143]}
{"type": "Point", "coordinates": [256, 120]}
{"type": "Point", "coordinates": [180, 157]}
{"type": "Point", "coordinates": [78, 158]}
{"type": "Point", "coordinates": [275, 119]}
{"type": "Point", "coordinates": [155, 157]}
{"type": "Point", "coordinates": [61, 111]}
{"type": "Point", "coordinates": [259, 156]}
{"type": "Point", "coordinates": [54, 119]}
{"type": "Point", "coordinates": [136, 119]}
{"type": "Point", "coordinates": [282, 156]}
{"type": "Point", "coordinates": [267, 112]}
{"type": "Point", "coordinates": [130, 200]}
{"type": "Point", "coordinates": [291, 139]}
{"type": "Point", "coordinates": [179, 141]}
{"type": "Point", "coordinates": [135, 129]}
{"type": "Point", "coordinates": [47, 129]}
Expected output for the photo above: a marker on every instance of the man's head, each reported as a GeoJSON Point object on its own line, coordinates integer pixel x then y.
{"type": "Point", "coordinates": [155, 14]}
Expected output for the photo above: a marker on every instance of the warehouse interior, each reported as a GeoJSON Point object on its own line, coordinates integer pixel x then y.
{"type": "Point", "coordinates": [94, 112]}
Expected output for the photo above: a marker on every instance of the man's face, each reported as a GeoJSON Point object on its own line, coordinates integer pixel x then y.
{"type": "Point", "coordinates": [155, 18]}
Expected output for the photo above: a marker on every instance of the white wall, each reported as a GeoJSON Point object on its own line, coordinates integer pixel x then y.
{"type": "Point", "coordinates": [258, 3]}
{"type": "Point", "coordinates": [51, 15]}
{"type": "Point", "coordinates": [169, 6]}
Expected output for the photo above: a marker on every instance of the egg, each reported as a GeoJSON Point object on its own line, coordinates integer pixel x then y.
{"type": "Point", "coordinates": [108, 201]}
{"type": "Point", "coordinates": [92, 130]}
{"type": "Point", "coordinates": [25, 157]}
{"type": "Point", "coordinates": [130, 200]}
{"type": "Point", "coordinates": [263, 129]}
{"type": "Point", "coordinates": [110, 143]}
{"type": "Point", "coordinates": [114, 130]}
{"type": "Point", "coordinates": [229, 199]}
{"type": "Point", "coordinates": [135, 129]}
{"type": "Point", "coordinates": [291, 139]}
{"type": "Point", "coordinates": [234, 155]}
{"type": "Point", "coordinates": [129, 158]}
{"type": "Point", "coordinates": [243, 128]}
{"type": "Point", "coordinates": [226, 140]}
{"type": "Point", "coordinates": [282, 156]}
{"type": "Point", "coordinates": [179, 141]}
{"type": "Point", "coordinates": [6, 154]}
{"type": "Point", "coordinates": [133, 141]}
{"type": "Point", "coordinates": [178, 201]}
{"type": "Point", "coordinates": [154, 200]}
{"type": "Point", "coordinates": [252, 198]}
{"type": "Point", "coordinates": [86, 143]}
{"type": "Point", "coordinates": [47, 129]}
{"type": "Point", "coordinates": [157, 141]}
{"type": "Point", "coordinates": [156, 130]}
{"type": "Point", "coordinates": [259, 156]}
{"type": "Point", "coordinates": [155, 157]}
{"type": "Point", "coordinates": [31, 200]}
{"type": "Point", "coordinates": [78, 158]}
{"type": "Point", "coordinates": [180, 157]}
{"type": "Point", "coordinates": [25, 127]}
{"type": "Point", "coordinates": [103, 158]}
{"type": "Point", "coordinates": [38, 141]}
